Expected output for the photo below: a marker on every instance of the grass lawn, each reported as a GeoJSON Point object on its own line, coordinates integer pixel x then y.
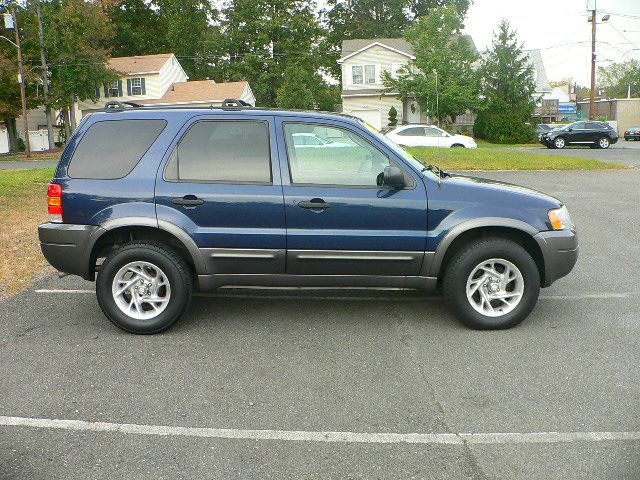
{"type": "Point", "coordinates": [35, 156]}
{"type": "Point", "coordinates": [496, 159]}
{"type": "Point", "coordinates": [23, 206]}
{"type": "Point", "coordinates": [484, 144]}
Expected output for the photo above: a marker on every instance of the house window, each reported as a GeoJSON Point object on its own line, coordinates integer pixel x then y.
{"type": "Point", "coordinates": [356, 75]}
{"type": "Point", "coordinates": [136, 86]}
{"type": "Point", "coordinates": [114, 91]}
{"type": "Point", "coordinates": [369, 74]}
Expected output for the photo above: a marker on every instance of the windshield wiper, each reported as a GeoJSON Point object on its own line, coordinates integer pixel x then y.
{"type": "Point", "coordinates": [437, 170]}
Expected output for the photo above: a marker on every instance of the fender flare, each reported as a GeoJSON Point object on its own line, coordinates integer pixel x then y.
{"type": "Point", "coordinates": [161, 225]}
{"type": "Point", "coordinates": [455, 232]}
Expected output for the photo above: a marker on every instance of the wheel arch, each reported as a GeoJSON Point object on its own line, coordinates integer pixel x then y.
{"type": "Point", "coordinates": [145, 229]}
{"type": "Point", "coordinates": [514, 230]}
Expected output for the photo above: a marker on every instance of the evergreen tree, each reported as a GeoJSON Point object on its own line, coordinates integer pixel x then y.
{"type": "Point", "coordinates": [393, 117]}
{"type": "Point", "coordinates": [259, 39]}
{"type": "Point", "coordinates": [444, 59]}
{"type": "Point", "coordinates": [508, 87]}
{"type": "Point", "coordinates": [295, 91]}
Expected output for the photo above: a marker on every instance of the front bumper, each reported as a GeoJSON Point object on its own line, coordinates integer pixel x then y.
{"type": "Point", "coordinates": [560, 252]}
{"type": "Point", "coordinates": [68, 247]}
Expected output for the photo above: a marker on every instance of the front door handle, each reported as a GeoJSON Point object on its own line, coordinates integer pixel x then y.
{"type": "Point", "coordinates": [314, 205]}
{"type": "Point", "coordinates": [188, 200]}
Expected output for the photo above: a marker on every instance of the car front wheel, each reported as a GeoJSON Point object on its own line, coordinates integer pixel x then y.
{"type": "Point", "coordinates": [559, 142]}
{"type": "Point", "coordinates": [491, 283]}
{"type": "Point", "coordinates": [144, 287]}
{"type": "Point", "coordinates": [604, 142]}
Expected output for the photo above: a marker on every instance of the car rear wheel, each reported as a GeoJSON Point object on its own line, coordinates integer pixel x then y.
{"type": "Point", "coordinates": [144, 287]}
{"type": "Point", "coordinates": [491, 283]}
{"type": "Point", "coordinates": [559, 142]}
{"type": "Point", "coordinates": [604, 142]}
{"type": "Point", "coordinates": [457, 145]}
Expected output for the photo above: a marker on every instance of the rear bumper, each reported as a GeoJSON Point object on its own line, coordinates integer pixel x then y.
{"type": "Point", "coordinates": [560, 253]}
{"type": "Point", "coordinates": [632, 137]}
{"type": "Point", "coordinates": [68, 247]}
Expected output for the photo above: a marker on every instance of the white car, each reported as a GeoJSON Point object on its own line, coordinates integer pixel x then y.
{"type": "Point", "coordinates": [428, 136]}
{"type": "Point", "coordinates": [313, 140]}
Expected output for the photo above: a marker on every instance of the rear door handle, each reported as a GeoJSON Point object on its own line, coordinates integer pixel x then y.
{"type": "Point", "coordinates": [314, 205]}
{"type": "Point", "coordinates": [189, 200]}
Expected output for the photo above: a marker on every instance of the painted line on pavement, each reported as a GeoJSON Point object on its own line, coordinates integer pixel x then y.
{"type": "Point", "coordinates": [311, 436]}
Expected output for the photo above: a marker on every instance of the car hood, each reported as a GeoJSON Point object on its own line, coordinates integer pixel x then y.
{"type": "Point", "coordinates": [495, 191]}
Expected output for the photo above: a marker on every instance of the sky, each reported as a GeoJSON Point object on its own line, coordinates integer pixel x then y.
{"type": "Point", "coordinates": [560, 29]}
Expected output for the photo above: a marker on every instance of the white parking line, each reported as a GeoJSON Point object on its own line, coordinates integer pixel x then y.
{"type": "Point", "coordinates": [586, 296]}
{"type": "Point", "coordinates": [311, 436]}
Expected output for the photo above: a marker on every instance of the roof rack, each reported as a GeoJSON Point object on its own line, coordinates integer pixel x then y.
{"type": "Point", "coordinates": [227, 104]}
{"type": "Point", "coordinates": [115, 106]}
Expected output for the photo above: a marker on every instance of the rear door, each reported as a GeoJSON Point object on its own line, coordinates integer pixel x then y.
{"type": "Point", "coordinates": [221, 184]}
{"type": "Point", "coordinates": [340, 221]}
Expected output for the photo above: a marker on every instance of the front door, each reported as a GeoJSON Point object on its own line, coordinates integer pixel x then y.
{"type": "Point", "coordinates": [222, 186]}
{"type": "Point", "coordinates": [340, 221]}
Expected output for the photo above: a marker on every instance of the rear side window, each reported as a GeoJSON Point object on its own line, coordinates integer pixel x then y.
{"type": "Point", "coordinates": [412, 132]}
{"type": "Point", "coordinates": [222, 151]}
{"type": "Point", "coordinates": [111, 149]}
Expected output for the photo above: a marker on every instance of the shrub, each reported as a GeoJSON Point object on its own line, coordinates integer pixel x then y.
{"type": "Point", "coordinates": [393, 117]}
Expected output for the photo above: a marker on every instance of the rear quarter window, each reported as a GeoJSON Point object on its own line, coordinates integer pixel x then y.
{"type": "Point", "coordinates": [111, 149]}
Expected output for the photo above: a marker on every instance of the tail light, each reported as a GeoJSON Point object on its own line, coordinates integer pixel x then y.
{"type": "Point", "coordinates": [54, 202]}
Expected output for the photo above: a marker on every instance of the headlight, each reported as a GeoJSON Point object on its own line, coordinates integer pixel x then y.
{"type": "Point", "coordinates": [560, 219]}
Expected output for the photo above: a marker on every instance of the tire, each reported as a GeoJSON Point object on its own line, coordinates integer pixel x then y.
{"type": "Point", "coordinates": [457, 145]}
{"type": "Point", "coordinates": [559, 143]}
{"type": "Point", "coordinates": [604, 143]}
{"type": "Point", "coordinates": [461, 268]}
{"type": "Point", "coordinates": [174, 295]}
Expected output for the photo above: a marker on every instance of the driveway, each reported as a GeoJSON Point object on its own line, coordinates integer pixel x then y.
{"type": "Point", "coordinates": [340, 384]}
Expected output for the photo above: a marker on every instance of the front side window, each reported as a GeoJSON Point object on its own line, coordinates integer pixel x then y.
{"type": "Point", "coordinates": [412, 132]}
{"type": "Point", "coordinates": [579, 126]}
{"type": "Point", "coordinates": [342, 159]}
{"type": "Point", "coordinates": [369, 74]}
{"type": "Point", "coordinates": [136, 86]}
{"type": "Point", "coordinates": [111, 149]}
{"type": "Point", "coordinates": [222, 151]}
{"type": "Point", "coordinates": [432, 132]}
{"type": "Point", "coordinates": [357, 77]}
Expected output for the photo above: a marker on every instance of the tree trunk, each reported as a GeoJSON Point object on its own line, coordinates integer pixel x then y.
{"type": "Point", "coordinates": [65, 119]}
{"type": "Point", "coordinates": [13, 134]}
{"type": "Point", "coordinates": [72, 111]}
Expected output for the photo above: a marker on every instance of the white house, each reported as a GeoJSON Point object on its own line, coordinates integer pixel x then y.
{"type": "Point", "coordinates": [160, 79]}
{"type": "Point", "coordinates": [363, 95]}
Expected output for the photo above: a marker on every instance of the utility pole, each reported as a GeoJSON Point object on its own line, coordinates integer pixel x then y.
{"type": "Point", "coordinates": [437, 99]}
{"type": "Point", "coordinates": [23, 92]}
{"type": "Point", "coordinates": [592, 99]}
{"type": "Point", "coordinates": [45, 73]}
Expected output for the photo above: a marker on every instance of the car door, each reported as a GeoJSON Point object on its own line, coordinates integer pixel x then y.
{"type": "Point", "coordinates": [340, 221]}
{"type": "Point", "coordinates": [437, 137]}
{"type": "Point", "coordinates": [221, 184]}
{"type": "Point", "coordinates": [578, 133]}
{"type": "Point", "coordinates": [415, 137]}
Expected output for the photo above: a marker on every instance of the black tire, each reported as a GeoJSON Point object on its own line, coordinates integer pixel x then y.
{"type": "Point", "coordinates": [176, 270]}
{"type": "Point", "coordinates": [603, 143]}
{"type": "Point", "coordinates": [461, 266]}
{"type": "Point", "coordinates": [457, 145]}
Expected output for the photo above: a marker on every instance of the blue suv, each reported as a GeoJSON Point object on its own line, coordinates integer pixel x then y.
{"type": "Point", "coordinates": [152, 203]}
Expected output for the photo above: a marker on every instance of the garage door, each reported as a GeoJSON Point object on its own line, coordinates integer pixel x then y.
{"type": "Point", "coordinates": [370, 116]}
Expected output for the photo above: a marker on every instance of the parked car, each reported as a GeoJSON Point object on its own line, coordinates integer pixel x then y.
{"type": "Point", "coordinates": [428, 136]}
{"type": "Point", "coordinates": [593, 134]}
{"type": "Point", "coordinates": [154, 202]}
{"type": "Point", "coordinates": [313, 140]}
{"type": "Point", "coordinates": [542, 128]}
{"type": "Point", "coordinates": [632, 134]}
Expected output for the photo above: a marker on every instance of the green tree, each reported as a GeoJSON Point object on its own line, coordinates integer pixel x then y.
{"type": "Point", "coordinates": [508, 87]}
{"type": "Point", "coordinates": [139, 29]}
{"type": "Point", "coordinates": [259, 39]}
{"type": "Point", "coordinates": [442, 78]}
{"type": "Point", "coordinates": [78, 37]}
{"type": "Point", "coordinates": [393, 117]}
{"type": "Point", "coordinates": [295, 92]}
{"type": "Point", "coordinates": [618, 79]}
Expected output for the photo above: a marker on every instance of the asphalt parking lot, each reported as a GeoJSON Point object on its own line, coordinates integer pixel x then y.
{"type": "Point", "coordinates": [622, 151]}
{"type": "Point", "coordinates": [248, 384]}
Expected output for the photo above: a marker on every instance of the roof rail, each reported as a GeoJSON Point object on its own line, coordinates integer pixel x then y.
{"type": "Point", "coordinates": [235, 102]}
{"type": "Point", "coordinates": [115, 106]}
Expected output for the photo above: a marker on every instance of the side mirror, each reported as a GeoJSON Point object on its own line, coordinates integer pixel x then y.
{"type": "Point", "coordinates": [393, 177]}
{"type": "Point", "coordinates": [569, 129]}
